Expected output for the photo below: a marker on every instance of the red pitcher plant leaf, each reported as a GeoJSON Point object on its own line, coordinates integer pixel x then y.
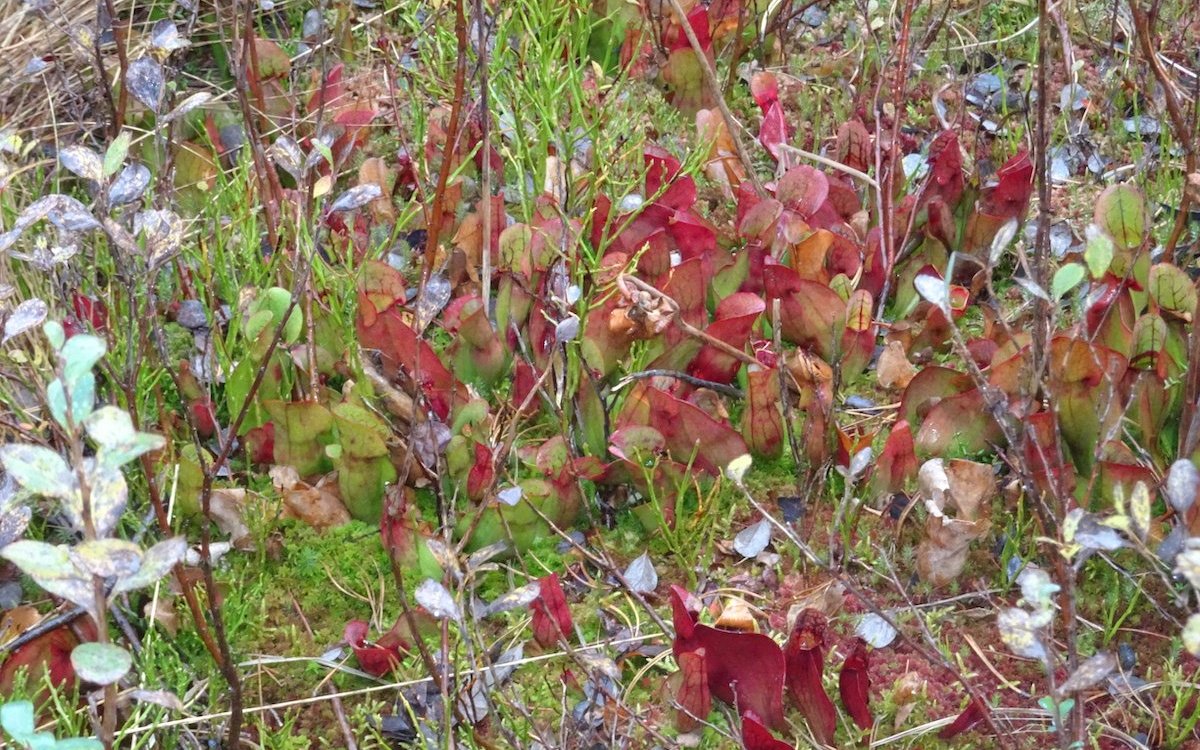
{"type": "Point", "coordinates": [805, 655]}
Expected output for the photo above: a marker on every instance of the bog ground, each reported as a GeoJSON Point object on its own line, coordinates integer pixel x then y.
{"type": "Point", "coordinates": [563, 374]}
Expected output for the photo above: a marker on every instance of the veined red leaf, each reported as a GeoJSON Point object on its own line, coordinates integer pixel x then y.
{"type": "Point", "coordinates": [854, 145]}
{"type": "Point", "coordinates": [762, 423]}
{"type": "Point", "coordinates": [686, 428]}
{"type": "Point", "coordinates": [551, 615]}
{"type": "Point", "coordinates": [482, 474]}
{"type": "Point", "coordinates": [897, 464]}
{"type": "Point", "coordinates": [743, 669]}
{"type": "Point", "coordinates": [735, 319]}
{"type": "Point", "coordinates": [805, 656]}
{"type": "Point", "coordinates": [803, 189]}
{"type": "Point", "coordinates": [854, 685]}
{"type": "Point", "coordinates": [811, 311]}
{"type": "Point", "coordinates": [945, 168]}
{"type": "Point", "coordinates": [694, 697]}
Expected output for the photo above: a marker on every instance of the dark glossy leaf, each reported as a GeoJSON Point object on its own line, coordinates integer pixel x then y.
{"type": "Point", "coordinates": [130, 184]}
{"type": "Point", "coordinates": [146, 82]}
{"type": "Point", "coordinates": [82, 162]}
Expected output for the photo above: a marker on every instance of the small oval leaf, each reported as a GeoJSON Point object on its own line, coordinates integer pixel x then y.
{"type": "Point", "coordinates": [101, 663]}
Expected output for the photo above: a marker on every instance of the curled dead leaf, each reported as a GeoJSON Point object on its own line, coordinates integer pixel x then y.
{"type": "Point", "coordinates": [894, 371]}
{"type": "Point", "coordinates": [737, 615]}
{"type": "Point", "coordinates": [942, 555]}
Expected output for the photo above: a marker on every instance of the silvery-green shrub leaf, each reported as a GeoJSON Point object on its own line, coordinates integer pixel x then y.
{"type": "Point", "coordinates": [736, 469]}
{"type": "Point", "coordinates": [875, 630]}
{"type": "Point", "coordinates": [62, 211]}
{"type": "Point", "coordinates": [115, 456]}
{"type": "Point", "coordinates": [110, 425]}
{"type": "Point", "coordinates": [1183, 481]}
{"type": "Point", "coordinates": [156, 563]}
{"type": "Point", "coordinates": [510, 496]}
{"type": "Point", "coordinates": [753, 539]}
{"type": "Point", "coordinates": [80, 354]}
{"type": "Point", "coordinates": [519, 597]}
{"type": "Point", "coordinates": [146, 82]}
{"type": "Point", "coordinates": [436, 600]}
{"type": "Point", "coordinates": [13, 522]}
{"type": "Point", "coordinates": [83, 398]}
{"type": "Point", "coordinates": [1004, 237]}
{"type": "Point", "coordinates": [641, 575]}
{"type": "Point", "coordinates": [100, 663]}
{"type": "Point", "coordinates": [107, 557]}
{"type": "Point", "coordinates": [30, 313]}
{"type": "Point", "coordinates": [110, 494]}
{"type": "Point", "coordinates": [356, 197]}
{"type": "Point", "coordinates": [39, 470]}
{"type": "Point", "coordinates": [51, 568]}
{"type": "Point", "coordinates": [17, 718]}
{"type": "Point", "coordinates": [83, 162]}
{"type": "Point", "coordinates": [566, 329]}
{"type": "Point", "coordinates": [129, 185]}
{"type": "Point", "coordinates": [1089, 673]}
{"type": "Point", "coordinates": [287, 156]}
{"type": "Point", "coordinates": [1031, 287]}
{"type": "Point", "coordinates": [187, 105]}
{"type": "Point", "coordinates": [433, 299]}
{"type": "Point", "coordinates": [1019, 632]}
{"type": "Point", "coordinates": [1187, 564]}
{"type": "Point", "coordinates": [165, 37]}
{"type": "Point", "coordinates": [1036, 586]}
{"type": "Point", "coordinates": [860, 462]}
{"type": "Point", "coordinates": [163, 232]}
{"type": "Point", "coordinates": [55, 334]}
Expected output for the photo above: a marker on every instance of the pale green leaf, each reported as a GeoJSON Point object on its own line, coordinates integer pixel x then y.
{"type": "Point", "coordinates": [1066, 278]}
{"type": "Point", "coordinates": [1099, 251]}
{"type": "Point", "coordinates": [17, 718]}
{"type": "Point", "coordinates": [80, 354]}
{"type": "Point", "coordinates": [1121, 212]}
{"type": "Point", "coordinates": [114, 157]}
{"type": "Point", "coordinates": [110, 425]}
